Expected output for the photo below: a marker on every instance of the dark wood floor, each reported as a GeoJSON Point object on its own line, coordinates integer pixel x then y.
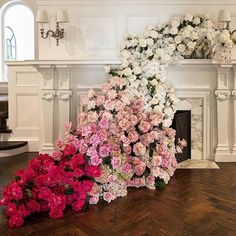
{"type": "Point", "coordinates": [196, 202]}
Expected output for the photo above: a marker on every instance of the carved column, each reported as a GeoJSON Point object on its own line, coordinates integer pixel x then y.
{"type": "Point", "coordinates": [63, 94]}
{"type": "Point", "coordinates": [222, 96]}
{"type": "Point", "coordinates": [47, 119]}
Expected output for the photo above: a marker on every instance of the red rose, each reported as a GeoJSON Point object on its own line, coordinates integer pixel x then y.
{"type": "Point", "coordinates": [15, 191]}
{"type": "Point", "coordinates": [22, 210]}
{"type": "Point", "coordinates": [16, 220]}
{"type": "Point", "coordinates": [11, 209]}
{"type": "Point", "coordinates": [78, 205]}
{"type": "Point", "coordinates": [94, 171]}
{"type": "Point", "coordinates": [78, 172]}
{"type": "Point", "coordinates": [69, 150]}
{"type": "Point", "coordinates": [55, 213]}
{"type": "Point", "coordinates": [33, 206]}
{"type": "Point", "coordinates": [87, 185]}
{"type": "Point", "coordinates": [78, 159]}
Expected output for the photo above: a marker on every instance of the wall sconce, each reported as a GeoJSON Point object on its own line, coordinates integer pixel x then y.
{"type": "Point", "coordinates": [62, 17]}
{"type": "Point", "coordinates": [224, 17]}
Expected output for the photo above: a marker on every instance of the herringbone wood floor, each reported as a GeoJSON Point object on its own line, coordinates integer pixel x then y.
{"type": "Point", "coordinates": [196, 202]}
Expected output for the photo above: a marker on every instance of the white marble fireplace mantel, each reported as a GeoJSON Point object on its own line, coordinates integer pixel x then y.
{"type": "Point", "coordinates": [44, 95]}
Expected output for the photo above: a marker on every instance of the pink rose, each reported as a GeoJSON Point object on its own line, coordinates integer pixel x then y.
{"type": "Point", "coordinates": [94, 199]}
{"type": "Point", "coordinates": [95, 160]}
{"type": "Point", "coordinates": [133, 120]}
{"type": "Point", "coordinates": [107, 196]}
{"type": "Point", "coordinates": [156, 118]}
{"type": "Point", "coordinates": [133, 136]}
{"type": "Point", "coordinates": [139, 169]}
{"type": "Point", "coordinates": [103, 123]}
{"type": "Point", "coordinates": [170, 132]}
{"type": "Point", "coordinates": [139, 149]}
{"type": "Point", "coordinates": [104, 150]}
{"type": "Point", "coordinates": [127, 168]}
{"type": "Point", "coordinates": [124, 124]}
{"type": "Point", "coordinates": [94, 140]}
{"type": "Point", "coordinates": [115, 161]}
{"type": "Point", "coordinates": [127, 149]}
{"type": "Point", "coordinates": [56, 155]}
{"type": "Point", "coordinates": [144, 126]}
{"type": "Point", "coordinates": [59, 143]}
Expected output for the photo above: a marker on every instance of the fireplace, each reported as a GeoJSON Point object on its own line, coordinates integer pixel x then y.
{"type": "Point", "coordinates": [182, 125]}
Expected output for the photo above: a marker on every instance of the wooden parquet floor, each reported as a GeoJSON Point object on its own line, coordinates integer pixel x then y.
{"type": "Point", "coordinates": [196, 202]}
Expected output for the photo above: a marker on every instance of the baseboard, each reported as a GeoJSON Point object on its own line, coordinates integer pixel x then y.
{"type": "Point", "coordinates": [228, 157]}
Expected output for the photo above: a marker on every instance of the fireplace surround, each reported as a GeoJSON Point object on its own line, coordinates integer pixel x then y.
{"type": "Point", "coordinates": [44, 95]}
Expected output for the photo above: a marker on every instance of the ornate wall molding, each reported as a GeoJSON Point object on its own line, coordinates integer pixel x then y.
{"type": "Point", "coordinates": [64, 95]}
{"type": "Point", "coordinates": [48, 95]}
{"type": "Point", "coordinates": [222, 95]}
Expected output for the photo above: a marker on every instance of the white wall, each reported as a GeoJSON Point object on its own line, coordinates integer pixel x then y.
{"type": "Point", "coordinates": [96, 27]}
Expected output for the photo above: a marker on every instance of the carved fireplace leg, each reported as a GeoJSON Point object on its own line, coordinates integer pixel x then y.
{"type": "Point", "coordinates": [223, 93]}
{"type": "Point", "coordinates": [64, 95]}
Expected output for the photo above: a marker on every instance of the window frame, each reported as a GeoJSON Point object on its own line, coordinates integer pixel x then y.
{"type": "Point", "coordinates": [3, 10]}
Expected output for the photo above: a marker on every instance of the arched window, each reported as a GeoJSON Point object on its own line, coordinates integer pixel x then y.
{"type": "Point", "coordinates": [17, 32]}
{"type": "Point", "coordinates": [10, 44]}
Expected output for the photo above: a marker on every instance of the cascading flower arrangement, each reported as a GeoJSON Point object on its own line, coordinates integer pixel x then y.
{"type": "Point", "coordinates": [123, 138]}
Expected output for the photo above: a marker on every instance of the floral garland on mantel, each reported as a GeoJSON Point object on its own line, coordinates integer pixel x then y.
{"type": "Point", "coordinates": [123, 138]}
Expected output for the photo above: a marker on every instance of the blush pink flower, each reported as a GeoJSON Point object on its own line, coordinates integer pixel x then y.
{"type": "Point", "coordinates": [124, 124]}
{"type": "Point", "coordinates": [127, 168]}
{"type": "Point", "coordinates": [133, 136]}
{"type": "Point", "coordinates": [139, 169]}
{"type": "Point", "coordinates": [139, 149]}
{"type": "Point", "coordinates": [144, 126]}
{"type": "Point", "coordinates": [156, 118]}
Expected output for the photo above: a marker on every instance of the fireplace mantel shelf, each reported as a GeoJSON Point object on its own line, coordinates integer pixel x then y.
{"type": "Point", "coordinates": [111, 62]}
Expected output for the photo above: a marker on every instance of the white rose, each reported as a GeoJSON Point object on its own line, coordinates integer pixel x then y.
{"type": "Point", "coordinates": [181, 47]}
{"type": "Point", "coordinates": [150, 42]}
{"type": "Point", "coordinates": [191, 45]}
{"type": "Point", "coordinates": [149, 52]}
{"type": "Point", "coordinates": [154, 82]}
{"type": "Point", "coordinates": [134, 42]}
{"type": "Point", "coordinates": [175, 23]}
{"type": "Point", "coordinates": [196, 20]}
{"type": "Point", "coordinates": [127, 71]}
{"type": "Point", "coordinates": [142, 43]}
{"type": "Point", "coordinates": [168, 111]}
{"type": "Point", "coordinates": [137, 70]}
{"type": "Point", "coordinates": [166, 123]}
{"type": "Point", "coordinates": [144, 82]}
{"type": "Point", "coordinates": [131, 78]}
{"type": "Point", "coordinates": [178, 39]}
{"type": "Point", "coordinates": [153, 34]}
{"type": "Point", "coordinates": [173, 30]}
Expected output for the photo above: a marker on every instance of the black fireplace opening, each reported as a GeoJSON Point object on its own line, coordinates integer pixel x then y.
{"type": "Point", "coordinates": [182, 124]}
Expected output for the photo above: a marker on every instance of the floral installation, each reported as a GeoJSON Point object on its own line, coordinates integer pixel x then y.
{"type": "Point", "coordinates": [123, 138]}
